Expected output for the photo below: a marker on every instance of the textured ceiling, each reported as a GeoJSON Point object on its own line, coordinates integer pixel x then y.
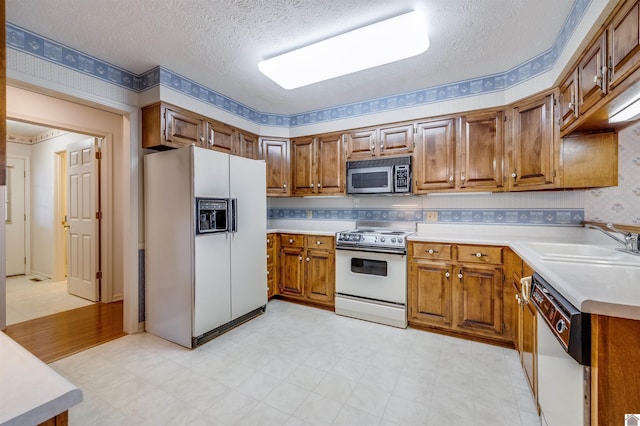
{"type": "Point", "coordinates": [218, 43]}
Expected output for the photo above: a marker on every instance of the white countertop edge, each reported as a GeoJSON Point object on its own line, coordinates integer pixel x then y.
{"type": "Point", "coordinates": [46, 411]}
{"type": "Point", "coordinates": [31, 392]}
{"type": "Point", "coordinates": [301, 231]}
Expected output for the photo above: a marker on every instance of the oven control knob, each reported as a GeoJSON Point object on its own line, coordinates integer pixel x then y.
{"type": "Point", "coordinates": [561, 326]}
{"type": "Point", "coordinates": [400, 240]}
{"type": "Point", "coordinates": [393, 239]}
{"type": "Point", "coordinates": [382, 239]}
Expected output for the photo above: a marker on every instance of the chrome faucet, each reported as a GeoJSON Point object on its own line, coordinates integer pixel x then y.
{"type": "Point", "coordinates": [631, 241]}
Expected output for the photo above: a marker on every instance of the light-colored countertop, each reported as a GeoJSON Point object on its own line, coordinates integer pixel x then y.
{"type": "Point", "coordinates": [596, 288]}
{"type": "Point", "coordinates": [308, 227]}
{"type": "Point", "coordinates": [31, 392]}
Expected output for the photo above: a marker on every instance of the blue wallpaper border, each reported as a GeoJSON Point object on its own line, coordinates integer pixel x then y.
{"type": "Point", "coordinates": [49, 50]}
{"type": "Point", "coordinates": [485, 216]}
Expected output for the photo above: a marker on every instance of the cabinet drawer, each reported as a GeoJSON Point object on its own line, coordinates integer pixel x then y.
{"type": "Point", "coordinates": [431, 251]}
{"type": "Point", "coordinates": [292, 240]}
{"type": "Point", "coordinates": [480, 254]}
{"type": "Point", "coordinates": [320, 242]}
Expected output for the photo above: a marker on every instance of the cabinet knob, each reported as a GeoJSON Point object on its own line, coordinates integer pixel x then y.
{"type": "Point", "coordinates": [291, 240]}
{"type": "Point", "coordinates": [284, 185]}
{"type": "Point", "coordinates": [478, 254]}
{"type": "Point", "coordinates": [308, 259]}
{"type": "Point", "coordinates": [300, 258]}
{"type": "Point", "coordinates": [447, 274]}
{"type": "Point", "coordinates": [268, 241]}
{"type": "Point", "coordinates": [463, 177]}
{"type": "Point", "coordinates": [373, 148]}
{"type": "Point", "coordinates": [268, 256]}
{"type": "Point", "coordinates": [460, 274]}
{"type": "Point", "coordinates": [201, 139]}
{"type": "Point", "coordinates": [432, 251]}
{"type": "Point", "coordinates": [312, 185]}
{"type": "Point", "coordinates": [571, 106]}
{"type": "Point", "coordinates": [319, 186]}
{"type": "Point", "coordinates": [514, 175]}
{"type": "Point", "coordinates": [451, 178]}
{"type": "Point", "coordinates": [267, 272]}
{"type": "Point", "coordinates": [381, 146]}
{"type": "Point", "coordinates": [318, 242]}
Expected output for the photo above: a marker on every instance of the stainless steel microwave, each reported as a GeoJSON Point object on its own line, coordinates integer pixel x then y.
{"type": "Point", "coordinates": [379, 176]}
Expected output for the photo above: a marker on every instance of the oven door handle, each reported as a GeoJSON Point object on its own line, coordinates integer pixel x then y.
{"type": "Point", "coordinates": [373, 250]}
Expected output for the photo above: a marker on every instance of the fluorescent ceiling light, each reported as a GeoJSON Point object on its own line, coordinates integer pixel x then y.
{"type": "Point", "coordinates": [627, 113]}
{"type": "Point", "coordinates": [386, 41]}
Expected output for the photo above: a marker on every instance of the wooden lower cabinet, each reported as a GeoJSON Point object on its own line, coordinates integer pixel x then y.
{"type": "Point", "coordinates": [273, 249]}
{"type": "Point", "coordinates": [307, 268]}
{"type": "Point", "coordinates": [458, 288]}
{"type": "Point", "coordinates": [430, 293]}
{"type": "Point", "coordinates": [477, 302]}
{"type": "Point", "coordinates": [615, 375]}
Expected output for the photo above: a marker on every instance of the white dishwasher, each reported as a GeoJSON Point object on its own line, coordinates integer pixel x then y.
{"type": "Point", "coordinates": [564, 349]}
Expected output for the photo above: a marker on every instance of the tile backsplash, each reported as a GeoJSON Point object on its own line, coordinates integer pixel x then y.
{"type": "Point", "coordinates": [619, 204]}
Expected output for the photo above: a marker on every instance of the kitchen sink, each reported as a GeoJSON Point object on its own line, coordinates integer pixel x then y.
{"type": "Point", "coordinates": [582, 253]}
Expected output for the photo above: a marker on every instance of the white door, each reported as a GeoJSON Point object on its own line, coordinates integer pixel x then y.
{"type": "Point", "coordinates": [82, 181]}
{"type": "Point", "coordinates": [15, 216]}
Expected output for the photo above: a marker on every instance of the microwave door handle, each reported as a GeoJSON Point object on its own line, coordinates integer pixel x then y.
{"type": "Point", "coordinates": [234, 214]}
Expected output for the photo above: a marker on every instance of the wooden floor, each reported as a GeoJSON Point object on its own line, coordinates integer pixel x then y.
{"type": "Point", "coordinates": [57, 336]}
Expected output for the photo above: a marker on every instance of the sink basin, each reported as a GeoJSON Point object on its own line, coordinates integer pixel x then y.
{"type": "Point", "coordinates": [583, 253]}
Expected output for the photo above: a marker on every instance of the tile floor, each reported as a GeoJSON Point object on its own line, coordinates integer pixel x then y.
{"type": "Point", "coordinates": [27, 299]}
{"type": "Point", "coordinates": [297, 365]}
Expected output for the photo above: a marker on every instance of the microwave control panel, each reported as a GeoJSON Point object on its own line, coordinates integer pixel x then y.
{"type": "Point", "coordinates": [402, 178]}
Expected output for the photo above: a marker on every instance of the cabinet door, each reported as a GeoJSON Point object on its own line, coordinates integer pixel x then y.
{"type": "Point", "coordinates": [247, 144]}
{"type": "Point", "coordinates": [292, 271]}
{"type": "Point", "coordinates": [220, 137]}
{"type": "Point", "coordinates": [434, 155]}
{"type": "Point", "coordinates": [624, 43]}
{"type": "Point", "coordinates": [331, 165]}
{"type": "Point", "coordinates": [477, 300]}
{"type": "Point", "coordinates": [430, 293]}
{"type": "Point", "coordinates": [320, 275]}
{"type": "Point", "coordinates": [182, 129]}
{"type": "Point", "coordinates": [361, 143]}
{"type": "Point", "coordinates": [303, 166]}
{"type": "Point", "coordinates": [481, 146]}
{"type": "Point", "coordinates": [568, 100]}
{"type": "Point", "coordinates": [533, 147]}
{"type": "Point", "coordinates": [592, 85]}
{"type": "Point", "coordinates": [275, 152]}
{"type": "Point", "coordinates": [395, 140]}
{"type": "Point", "coordinates": [528, 344]}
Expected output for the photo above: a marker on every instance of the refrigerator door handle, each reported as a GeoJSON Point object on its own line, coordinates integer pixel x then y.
{"type": "Point", "coordinates": [234, 214]}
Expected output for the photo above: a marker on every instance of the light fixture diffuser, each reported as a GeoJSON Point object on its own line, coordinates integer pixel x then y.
{"type": "Point", "coordinates": [377, 44]}
{"type": "Point", "coordinates": [627, 113]}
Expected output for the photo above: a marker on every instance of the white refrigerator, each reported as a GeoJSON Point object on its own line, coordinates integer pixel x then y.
{"type": "Point", "coordinates": [198, 285]}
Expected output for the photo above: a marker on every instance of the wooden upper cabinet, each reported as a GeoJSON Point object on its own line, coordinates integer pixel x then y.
{"type": "Point", "coordinates": [592, 76]}
{"type": "Point", "coordinates": [533, 145]}
{"type": "Point", "coordinates": [434, 156]}
{"type": "Point", "coordinates": [395, 140]}
{"type": "Point", "coordinates": [590, 160]}
{"type": "Point", "coordinates": [275, 152]}
{"type": "Point", "coordinates": [303, 165]}
{"type": "Point", "coordinates": [220, 137]}
{"type": "Point", "coordinates": [568, 109]}
{"type": "Point", "coordinates": [330, 165]}
{"type": "Point", "coordinates": [246, 145]}
{"type": "Point", "coordinates": [624, 43]}
{"type": "Point", "coordinates": [480, 160]}
{"type": "Point", "coordinates": [165, 127]}
{"type": "Point", "coordinates": [361, 143]}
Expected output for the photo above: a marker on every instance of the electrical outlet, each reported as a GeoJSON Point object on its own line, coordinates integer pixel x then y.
{"type": "Point", "coordinates": [432, 216]}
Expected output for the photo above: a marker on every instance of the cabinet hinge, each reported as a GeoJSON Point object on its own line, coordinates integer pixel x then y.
{"type": "Point", "coordinates": [503, 326]}
{"type": "Point", "coordinates": [99, 275]}
{"type": "Point", "coordinates": [554, 173]}
{"type": "Point", "coordinates": [98, 155]}
{"type": "Point", "coordinates": [25, 260]}
{"type": "Point", "coordinates": [98, 215]}
{"type": "Point", "coordinates": [504, 117]}
{"type": "Point", "coordinates": [25, 217]}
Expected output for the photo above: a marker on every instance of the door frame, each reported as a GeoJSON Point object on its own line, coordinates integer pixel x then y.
{"type": "Point", "coordinates": [27, 209]}
{"type": "Point", "coordinates": [59, 233]}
